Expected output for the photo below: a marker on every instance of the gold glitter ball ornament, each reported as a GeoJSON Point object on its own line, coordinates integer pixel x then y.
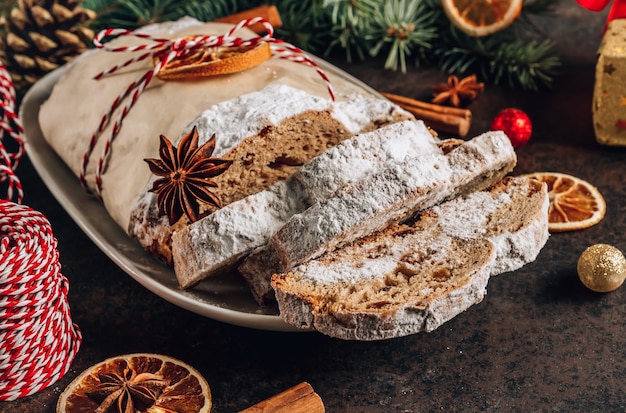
{"type": "Point", "coordinates": [602, 268]}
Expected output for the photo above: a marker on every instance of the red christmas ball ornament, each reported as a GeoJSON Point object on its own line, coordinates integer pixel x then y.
{"type": "Point", "coordinates": [515, 123]}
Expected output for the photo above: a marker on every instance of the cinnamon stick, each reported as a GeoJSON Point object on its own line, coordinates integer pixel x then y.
{"type": "Point", "coordinates": [445, 119]}
{"type": "Point", "coordinates": [300, 398]}
{"type": "Point", "coordinates": [269, 13]}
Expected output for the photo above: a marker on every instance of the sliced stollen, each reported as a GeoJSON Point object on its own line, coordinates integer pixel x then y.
{"type": "Point", "coordinates": [259, 266]}
{"type": "Point", "coordinates": [262, 263]}
{"type": "Point", "coordinates": [412, 278]}
{"type": "Point", "coordinates": [268, 135]}
{"type": "Point", "coordinates": [392, 195]}
{"type": "Point", "coordinates": [222, 238]}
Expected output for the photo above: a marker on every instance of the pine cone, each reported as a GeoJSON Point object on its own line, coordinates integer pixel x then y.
{"type": "Point", "coordinates": [38, 36]}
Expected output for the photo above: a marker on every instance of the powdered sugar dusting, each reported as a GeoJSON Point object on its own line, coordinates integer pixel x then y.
{"type": "Point", "coordinates": [467, 218]}
{"type": "Point", "coordinates": [347, 271]}
{"type": "Point", "coordinates": [357, 112]}
{"type": "Point", "coordinates": [234, 120]}
{"type": "Point", "coordinates": [358, 157]}
{"type": "Point", "coordinates": [235, 229]}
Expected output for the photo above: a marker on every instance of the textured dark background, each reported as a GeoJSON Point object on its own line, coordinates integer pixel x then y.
{"type": "Point", "coordinates": [539, 341]}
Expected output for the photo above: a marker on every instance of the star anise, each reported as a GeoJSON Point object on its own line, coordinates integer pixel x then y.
{"type": "Point", "coordinates": [458, 92]}
{"type": "Point", "coordinates": [186, 174]}
{"type": "Point", "coordinates": [128, 391]}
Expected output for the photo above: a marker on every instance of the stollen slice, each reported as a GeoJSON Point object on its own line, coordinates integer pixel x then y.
{"type": "Point", "coordinates": [412, 278]}
{"type": "Point", "coordinates": [392, 195]}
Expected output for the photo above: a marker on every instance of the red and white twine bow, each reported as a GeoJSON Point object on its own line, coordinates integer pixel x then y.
{"type": "Point", "coordinates": [164, 51]}
{"type": "Point", "coordinates": [38, 340]}
{"type": "Point", "coordinates": [10, 126]}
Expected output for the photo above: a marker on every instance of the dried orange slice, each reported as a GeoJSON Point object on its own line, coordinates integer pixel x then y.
{"type": "Point", "coordinates": [482, 17]}
{"type": "Point", "coordinates": [574, 203]}
{"type": "Point", "coordinates": [216, 61]}
{"type": "Point", "coordinates": [150, 383]}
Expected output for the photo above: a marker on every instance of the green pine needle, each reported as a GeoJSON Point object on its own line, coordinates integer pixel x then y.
{"type": "Point", "coordinates": [401, 27]}
{"type": "Point", "coordinates": [527, 65]}
{"type": "Point", "coordinates": [350, 10]}
{"type": "Point", "coordinates": [347, 36]}
{"type": "Point", "coordinates": [530, 66]}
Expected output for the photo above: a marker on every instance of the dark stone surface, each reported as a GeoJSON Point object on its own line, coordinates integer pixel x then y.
{"type": "Point", "coordinates": [539, 341]}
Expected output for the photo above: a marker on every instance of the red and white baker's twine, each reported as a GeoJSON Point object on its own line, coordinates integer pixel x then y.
{"type": "Point", "coordinates": [164, 51]}
{"type": "Point", "coordinates": [10, 126]}
{"type": "Point", "coordinates": [38, 340]}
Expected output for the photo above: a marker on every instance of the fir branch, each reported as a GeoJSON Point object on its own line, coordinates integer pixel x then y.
{"type": "Point", "coordinates": [519, 55]}
{"type": "Point", "coordinates": [528, 65]}
{"type": "Point", "coordinates": [402, 27]}
{"type": "Point", "coordinates": [350, 21]}
{"type": "Point", "coordinates": [350, 9]}
{"type": "Point", "coordinates": [499, 59]}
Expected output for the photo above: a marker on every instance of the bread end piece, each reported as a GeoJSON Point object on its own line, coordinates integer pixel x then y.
{"type": "Point", "coordinates": [423, 291]}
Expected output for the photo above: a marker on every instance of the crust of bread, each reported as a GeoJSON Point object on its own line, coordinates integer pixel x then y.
{"type": "Point", "coordinates": [393, 195]}
{"type": "Point", "coordinates": [412, 278]}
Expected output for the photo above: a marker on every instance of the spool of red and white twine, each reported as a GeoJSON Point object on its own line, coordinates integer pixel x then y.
{"type": "Point", "coordinates": [38, 340]}
{"type": "Point", "coordinates": [163, 51]}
